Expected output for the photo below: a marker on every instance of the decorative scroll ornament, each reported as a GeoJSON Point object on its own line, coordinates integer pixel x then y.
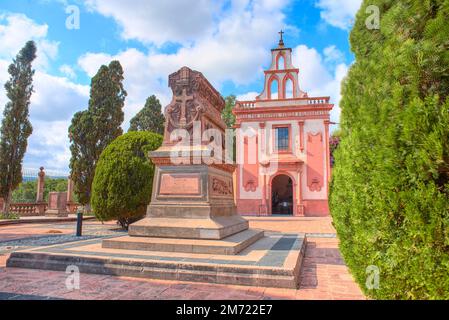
{"type": "Point", "coordinates": [250, 186]}
{"type": "Point", "coordinates": [220, 187]}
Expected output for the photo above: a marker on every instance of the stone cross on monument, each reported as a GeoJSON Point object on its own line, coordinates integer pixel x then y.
{"type": "Point", "coordinates": [183, 99]}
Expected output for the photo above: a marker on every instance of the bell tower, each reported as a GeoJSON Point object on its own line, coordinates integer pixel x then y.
{"type": "Point", "coordinates": [281, 79]}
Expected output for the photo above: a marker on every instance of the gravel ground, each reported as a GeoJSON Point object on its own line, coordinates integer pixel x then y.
{"type": "Point", "coordinates": [89, 232]}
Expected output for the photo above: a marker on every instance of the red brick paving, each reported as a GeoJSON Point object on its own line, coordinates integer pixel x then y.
{"type": "Point", "coordinates": [324, 274]}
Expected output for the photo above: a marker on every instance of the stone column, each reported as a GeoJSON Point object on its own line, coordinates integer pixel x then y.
{"type": "Point", "coordinates": [71, 205]}
{"type": "Point", "coordinates": [40, 203]}
{"type": "Point", "coordinates": [40, 185]}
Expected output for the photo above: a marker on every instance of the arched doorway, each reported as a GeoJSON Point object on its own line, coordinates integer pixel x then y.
{"type": "Point", "coordinates": [282, 195]}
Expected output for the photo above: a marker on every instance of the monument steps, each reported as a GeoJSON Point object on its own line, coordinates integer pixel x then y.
{"type": "Point", "coordinates": [231, 245]}
{"type": "Point", "coordinates": [215, 228]}
{"type": "Point", "coordinates": [273, 261]}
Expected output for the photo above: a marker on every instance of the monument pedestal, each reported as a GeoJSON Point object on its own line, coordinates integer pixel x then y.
{"type": "Point", "coordinates": [193, 204]}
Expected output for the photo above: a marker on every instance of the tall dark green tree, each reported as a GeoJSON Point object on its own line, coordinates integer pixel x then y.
{"type": "Point", "coordinates": [390, 188]}
{"type": "Point", "coordinates": [16, 126]}
{"type": "Point", "coordinates": [150, 118]}
{"type": "Point", "coordinates": [92, 130]}
{"type": "Point", "coordinates": [227, 115]}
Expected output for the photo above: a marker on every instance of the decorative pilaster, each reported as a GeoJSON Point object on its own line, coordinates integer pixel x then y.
{"type": "Point", "coordinates": [300, 205]}
{"type": "Point", "coordinates": [301, 135]}
{"type": "Point", "coordinates": [262, 126]}
{"type": "Point", "coordinates": [263, 210]}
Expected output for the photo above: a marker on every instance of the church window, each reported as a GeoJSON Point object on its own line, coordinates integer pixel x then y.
{"type": "Point", "coordinates": [282, 141]}
{"type": "Point", "coordinates": [274, 88]}
{"type": "Point", "coordinates": [281, 62]}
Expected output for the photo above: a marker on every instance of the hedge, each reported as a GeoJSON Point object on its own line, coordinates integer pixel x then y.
{"type": "Point", "coordinates": [390, 188]}
{"type": "Point", "coordinates": [123, 178]}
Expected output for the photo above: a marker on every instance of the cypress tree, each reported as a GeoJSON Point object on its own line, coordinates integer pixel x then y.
{"type": "Point", "coordinates": [390, 188]}
{"type": "Point", "coordinates": [93, 130]}
{"type": "Point", "coordinates": [16, 127]}
{"type": "Point", "coordinates": [150, 118]}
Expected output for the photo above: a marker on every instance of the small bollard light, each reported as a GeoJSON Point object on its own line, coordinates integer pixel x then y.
{"type": "Point", "coordinates": [79, 223]}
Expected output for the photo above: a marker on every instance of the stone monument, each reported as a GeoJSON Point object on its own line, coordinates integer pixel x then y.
{"type": "Point", "coordinates": [192, 231]}
{"type": "Point", "coordinates": [41, 204]}
{"type": "Point", "coordinates": [57, 204]}
{"type": "Point", "coordinates": [193, 196]}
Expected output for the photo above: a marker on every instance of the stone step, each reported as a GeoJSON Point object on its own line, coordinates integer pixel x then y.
{"type": "Point", "coordinates": [211, 228]}
{"type": "Point", "coordinates": [273, 261]}
{"type": "Point", "coordinates": [229, 246]}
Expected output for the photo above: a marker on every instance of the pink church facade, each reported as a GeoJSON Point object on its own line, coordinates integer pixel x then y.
{"type": "Point", "coordinates": [282, 148]}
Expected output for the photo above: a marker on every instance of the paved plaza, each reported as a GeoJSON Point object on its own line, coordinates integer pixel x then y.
{"type": "Point", "coordinates": [323, 275]}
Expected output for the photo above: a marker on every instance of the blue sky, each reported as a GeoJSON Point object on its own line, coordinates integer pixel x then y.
{"type": "Point", "coordinates": [228, 40]}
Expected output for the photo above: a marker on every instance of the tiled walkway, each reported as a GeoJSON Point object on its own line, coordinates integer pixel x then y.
{"type": "Point", "coordinates": [324, 275]}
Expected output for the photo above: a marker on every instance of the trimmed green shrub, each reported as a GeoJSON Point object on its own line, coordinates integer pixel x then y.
{"type": "Point", "coordinates": [123, 178]}
{"type": "Point", "coordinates": [390, 188]}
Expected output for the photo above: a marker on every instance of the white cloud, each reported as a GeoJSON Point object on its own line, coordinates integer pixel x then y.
{"type": "Point", "coordinates": [48, 145]}
{"type": "Point", "coordinates": [3, 78]}
{"type": "Point", "coordinates": [67, 71]}
{"type": "Point", "coordinates": [316, 79]}
{"type": "Point", "coordinates": [16, 30]}
{"type": "Point", "coordinates": [154, 21]}
{"type": "Point", "coordinates": [235, 50]}
{"type": "Point", "coordinates": [338, 13]}
{"type": "Point", "coordinates": [249, 96]}
{"type": "Point", "coordinates": [332, 55]}
{"type": "Point", "coordinates": [54, 100]}
{"type": "Point", "coordinates": [140, 79]}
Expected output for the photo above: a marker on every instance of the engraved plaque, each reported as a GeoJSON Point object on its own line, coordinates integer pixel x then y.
{"type": "Point", "coordinates": [180, 184]}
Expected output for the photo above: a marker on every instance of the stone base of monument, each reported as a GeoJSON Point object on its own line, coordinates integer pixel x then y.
{"type": "Point", "coordinates": [215, 228]}
{"type": "Point", "coordinates": [229, 246]}
{"type": "Point", "coordinates": [273, 261]}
